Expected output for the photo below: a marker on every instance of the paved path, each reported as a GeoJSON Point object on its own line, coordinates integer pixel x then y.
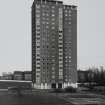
{"type": "Point", "coordinates": [83, 99]}
{"type": "Point", "coordinates": [29, 99]}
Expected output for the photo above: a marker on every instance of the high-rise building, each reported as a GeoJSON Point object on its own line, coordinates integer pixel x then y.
{"type": "Point", "coordinates": [54, 44]}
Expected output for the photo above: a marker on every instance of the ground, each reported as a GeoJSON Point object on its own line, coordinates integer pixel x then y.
{"type": "Point", "coordinates": [31, 99]}
{"type": "Point", "coordinates": [44, 98]}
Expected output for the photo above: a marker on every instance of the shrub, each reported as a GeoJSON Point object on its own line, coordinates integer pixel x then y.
{"type": "Point", "coordinates": [70, 89]}
{"type": "Point", "coordinates": [99, 89]}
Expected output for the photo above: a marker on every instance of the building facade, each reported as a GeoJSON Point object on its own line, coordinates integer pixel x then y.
{"type": "Point", "coordinates": [27, 76]}
{"type": "Point", "coordinates": [54, 44]}
{"type": "Point", "coordinates": [18, 75]}
{"type": "Point", "coordinates": [7, 76]}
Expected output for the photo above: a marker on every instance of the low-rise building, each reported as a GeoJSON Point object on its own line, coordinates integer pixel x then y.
{"type": "Point", "coordinates": [18, 75]}
{"type": "Point", "coordinates": [7, 76]}
{"type": "Point", "coordinates": [82, 76]}
{"type": "Point", "coordinates": [27, 75]}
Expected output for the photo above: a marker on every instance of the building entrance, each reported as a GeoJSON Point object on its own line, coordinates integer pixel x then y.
{"type": "Point", "coordinates": [53, 85]}
{"type": "Point", "coordinates": [59, 85]}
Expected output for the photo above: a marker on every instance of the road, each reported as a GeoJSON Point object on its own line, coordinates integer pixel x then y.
{"type": "Point", "coordinates": [31, 99]}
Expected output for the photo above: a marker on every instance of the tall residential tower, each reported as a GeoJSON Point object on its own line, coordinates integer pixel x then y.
{"type": "Point", "coordinates": [54, 44]}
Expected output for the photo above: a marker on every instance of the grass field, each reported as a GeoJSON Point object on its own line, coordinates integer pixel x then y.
{"type": "Point", "coordinates": [40, 97]}
{"type": "Point", "coordinates": [37, 98]}
{"type": "Point", "coordinates": [44, 97]}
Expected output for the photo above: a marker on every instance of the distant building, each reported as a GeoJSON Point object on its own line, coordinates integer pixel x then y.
{"type": "Point", "coordinates": [54, 44]}
{"type": "Point", "coordinates": [82, 76]}
{"type": "Point", "coordinates": [18, 75]}
{"type": "Point", "coordinates": [7, 76]}
{"type": "Point", "coordinates": [27, 76]}
{"type": "Point", "coordinates": [85, 76]}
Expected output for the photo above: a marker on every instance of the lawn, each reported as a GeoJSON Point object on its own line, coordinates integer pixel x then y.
{"type": "Point", "coordinates": [36, 98]}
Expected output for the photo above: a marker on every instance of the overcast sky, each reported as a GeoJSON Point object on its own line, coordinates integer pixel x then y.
{"type": "Point", "coordinates": [15, 34]}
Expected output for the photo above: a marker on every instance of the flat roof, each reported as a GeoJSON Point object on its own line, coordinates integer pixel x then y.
{"type": "Point", "coordinates": [14, 81]}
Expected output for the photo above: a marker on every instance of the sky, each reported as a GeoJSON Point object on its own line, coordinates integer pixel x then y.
{"type": "Point", "coordinates": [15, 34]}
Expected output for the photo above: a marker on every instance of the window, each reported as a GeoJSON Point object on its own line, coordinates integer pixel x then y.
{"type": "Point", "coordinates": [37, 15]}
{"type": "Point", "coordinates": [60, 47]}
{"type": "Point", "coordinates": [38, 38]}
{"type": "Point", "coordinates": [33, 56]}
{"type": "Point", "coordinates": [47, 22]}
{"type": "Point", "coordinates": [47, 46]}
{"type": "Point", "coordinates": [43, 14]}
{"type": "Point", "coordinates": [38, 34]}
{"type": "Point", "coordinates": [60, 73]}
{"type": "Point", "coordinates": [53, 46]}
{"type": "Point", "coordinates": [65, 14]}
{"type": "Point", "coordinates": [60, 67]}
{"type": "Point", "coordinates": [43, 5]}
{"type": "Point", "coordinates": [53, 23]}
{"type": "Point", "coordinates": [53, 11]}
{"type": "Point", "coordinates": [38, 67]}
{"type": "Point", "coordinates": [38, 46]}
{"type": "Point", "coordinates": [38, 63]}
{"type": "Point", "coordinates": [38, 59]}
{"type": "Point", "coordinates": [70, 23]}
{"type": "Point", "coordinates": [37, 76]}
{"type": "Point", "coordinates": [38, 30]}
{"type": "Point", "coordinates": [53, 60]}
{"type": "Point", "coordinates": [37, 11]}
{"type": "Point", "coordinates": [43, 67]}
{"type": "Point", "coordinates": [38, 27]}
{"type": "Point", "coordinates": [47, 19]}
{"type": "Point", "coordinates": [37, 6]}
{"type": "Point", "coordinates": [47, 27]}
{"type": "Point", "coordinates": [53, 15]}
{"type": "Point", "coordinates": [69, 56]}
{"type": "Point", "coordinates": [38, 55]}
{"type": "Point", "coordinates": [69, 18]}
{"type": "Point", "coordinates": [60, 64]}
{"type": "Point", "coordinates": [53, 68]}
{"type": "Point", "coordinates": [53, 76]}
{"type": "Point", "coordinates": [53, 7]}
{"type": "Point", "coordinates": [60, 59]}
{"type": "Point", "coordinates": [69, 60]}
{"type": "Point", "coordinates": [60, 51]}
{"type": "Point", "coordinates": [68, 8]}
{"type": "Point", "coordinates": [53, 27]}
{"type": "Point", "coordinates": [60, 31]}
{"type": "Point", "coordinates": [60, 40]}
{"type": "Point", "coordinates": [43, 18]}
{"type": "Point", "coordinates": [66, 11]}
{"type": "Point", "coordinates": [60, 55]}
{"type": "Point", "coordinates": [60, 43]}
{"type": "Point", "coordinates": [47, 14]}
{"type": "Point", "coordinates": [37, 71]}
{"type": "Point", "coordinates": [38, 22]}
{"type": "Point", "coordinates": [69, 11]}
{"type": "Point", "coordinates": [53, 19]}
